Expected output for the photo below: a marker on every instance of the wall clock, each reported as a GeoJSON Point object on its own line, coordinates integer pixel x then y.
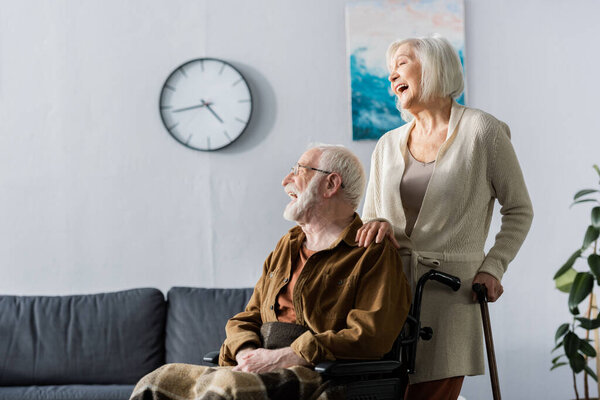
{"type": "Point", "coordinates": [205, 104]}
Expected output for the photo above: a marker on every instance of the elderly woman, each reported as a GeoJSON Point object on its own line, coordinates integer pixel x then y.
{"type": "Point", "coordinates": [431, 190]}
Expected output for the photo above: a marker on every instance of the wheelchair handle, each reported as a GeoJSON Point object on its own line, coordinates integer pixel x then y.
{"type": "Point", "coordinates": [446, 279]}
{"type": "Point", "coordinates": [410, 343]}
{"type": "Point", "coordinates": [449, 280]}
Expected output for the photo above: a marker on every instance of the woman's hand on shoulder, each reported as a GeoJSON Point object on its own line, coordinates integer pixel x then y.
{"type": "Point", "coordinates": [375, 230]}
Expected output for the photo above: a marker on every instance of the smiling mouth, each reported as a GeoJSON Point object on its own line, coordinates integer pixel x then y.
{"type": "Point", "coordinates": [293, 195]}
{"type": "Point", "coordinates": [401, 88]}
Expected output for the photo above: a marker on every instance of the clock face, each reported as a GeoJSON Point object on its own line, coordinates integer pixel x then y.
{"type": "Point", "coordinates": [205, 104]}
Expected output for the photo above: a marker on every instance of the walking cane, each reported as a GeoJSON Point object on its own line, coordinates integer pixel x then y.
{"type": "Point", "coordinates": [481, 292]}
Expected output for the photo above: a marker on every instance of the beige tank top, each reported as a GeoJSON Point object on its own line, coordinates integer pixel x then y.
{"type": "Point", "coordinates": [412, 188]}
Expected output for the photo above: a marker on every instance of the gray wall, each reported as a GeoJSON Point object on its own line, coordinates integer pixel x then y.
{"type": "Point", "coordinates": [96, 196]}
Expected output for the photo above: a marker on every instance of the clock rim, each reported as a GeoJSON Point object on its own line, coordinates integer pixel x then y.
{"type": "Point", "coordinates": [160, 111]}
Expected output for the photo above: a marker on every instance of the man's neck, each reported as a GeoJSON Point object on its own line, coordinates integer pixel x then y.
{"type": "Point", "coordinates": [321, 231]}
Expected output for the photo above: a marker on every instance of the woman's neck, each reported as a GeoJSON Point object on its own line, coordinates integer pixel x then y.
{"type": "Point", "coordinates": [433, 116]}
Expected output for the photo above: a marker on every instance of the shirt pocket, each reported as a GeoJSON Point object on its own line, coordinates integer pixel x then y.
{"type": "Point", "coordinates": [337, 296]}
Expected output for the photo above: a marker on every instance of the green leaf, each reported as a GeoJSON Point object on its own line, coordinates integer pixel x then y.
{"type": "Point", "coordinates": [571, 344]}
{"type": "Point", "coordinates": [589, 323]}
{"type": "Point", "coordinates": [560, 364]}
{"type": "Point", "coordinates": [596, 217]}
{"type": "Point", "coordinates": [583, 193]}
{"type": "Point", "coordinates": [568, 264]}
{"type": "Point", "coordinates": [560, 332]}
{"type": "Point", "coordinates": [555, 359]}
{"type": "Point", "coordinates": [577, 363]}
{"type": "Point", "coordinates": [565, 281]}
{"type": "Point", "coordinates": [591, 373]}
{"type": "Point", "coordinates": [583, 201]}
{"type": "Point", "coordinates": [597, 169]}
{"type": "Point", "coordinates": [594, 263]}
{"type": "Point", "coordinates": [558, 345]}
{"type": "Point", "coordinates": [591, 234]}
{"type": "Point", "coordinates": [587, 348]}
{"type": "Point", "coordinates": [582, 287]}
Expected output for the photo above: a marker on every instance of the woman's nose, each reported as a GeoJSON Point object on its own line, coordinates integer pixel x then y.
{"type": "Point", "coordinates": [393, 76]}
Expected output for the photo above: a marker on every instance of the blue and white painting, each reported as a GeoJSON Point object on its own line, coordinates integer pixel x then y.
{"type": "Point", "coordinates": [371, 26]}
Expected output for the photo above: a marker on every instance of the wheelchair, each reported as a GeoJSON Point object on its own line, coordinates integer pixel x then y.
{"type": "Point", "coordinates": [386, 378]}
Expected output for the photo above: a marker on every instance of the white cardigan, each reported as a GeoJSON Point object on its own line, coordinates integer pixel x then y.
{"type": "Point", "coordinates": [475, 165]}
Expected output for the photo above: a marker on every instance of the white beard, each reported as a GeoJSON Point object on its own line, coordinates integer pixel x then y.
{"type": "Point", "coordinates": [295, 210]}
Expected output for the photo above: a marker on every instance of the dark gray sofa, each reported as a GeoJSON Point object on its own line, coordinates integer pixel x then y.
{"type": "Point", "coordinates": [98, 346]}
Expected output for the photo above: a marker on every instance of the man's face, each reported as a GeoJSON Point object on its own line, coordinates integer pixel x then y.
{"type": "Point", "coordinates": [303, 187]}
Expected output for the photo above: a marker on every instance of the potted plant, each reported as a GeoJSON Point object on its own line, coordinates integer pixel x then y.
{"type": "Point", "coordinates": [578, 279]}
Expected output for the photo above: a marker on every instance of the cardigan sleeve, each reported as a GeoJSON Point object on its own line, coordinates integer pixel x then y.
{"type": "Point", "coordinates": [372, 206]}
{"type": "Point", "coordinates": [508, 186]}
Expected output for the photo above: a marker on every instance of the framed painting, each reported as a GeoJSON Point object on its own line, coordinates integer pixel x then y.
{"type": "Point", "coordinates": [370, 27]}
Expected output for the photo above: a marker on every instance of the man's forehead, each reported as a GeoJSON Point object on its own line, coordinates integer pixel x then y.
{"type": "Point", "coordinates": [309, 157]}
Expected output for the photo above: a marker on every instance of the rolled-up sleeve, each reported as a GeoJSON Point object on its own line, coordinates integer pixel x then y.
{"type": "Point", "coordinates": [244, 328]}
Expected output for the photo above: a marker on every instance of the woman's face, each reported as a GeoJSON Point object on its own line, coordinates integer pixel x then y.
{"type": "Point", "coordinates": [405, 76]}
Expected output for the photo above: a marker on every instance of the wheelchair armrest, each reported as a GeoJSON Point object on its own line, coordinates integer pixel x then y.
{"type": "Point", "coordinates": [357, 368]}
{"type": "Point", "coordinates": [212, 357]}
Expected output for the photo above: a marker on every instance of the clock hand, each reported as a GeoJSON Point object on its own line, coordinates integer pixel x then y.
{"type": "Point", "coordinates": [212, 111]}
{"type": "Point", "coordinates": [190, 108]}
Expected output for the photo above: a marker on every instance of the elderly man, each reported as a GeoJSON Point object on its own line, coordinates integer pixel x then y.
{"type": "Point", "coordinates": [321, 296]}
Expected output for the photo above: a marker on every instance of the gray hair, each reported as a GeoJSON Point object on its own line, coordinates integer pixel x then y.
{"type": "Point", "coordinates": [441, 70]}
{"type": "Point", "coordinates": [337, 158]}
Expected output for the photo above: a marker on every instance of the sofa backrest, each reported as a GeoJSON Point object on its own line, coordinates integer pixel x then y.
{"type": "Point", "coordinates": [196, 320]}
{"type": "Point", "coordinates": [90, 339]}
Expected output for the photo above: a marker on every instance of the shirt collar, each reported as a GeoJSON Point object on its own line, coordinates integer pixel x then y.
{"type": "Point", "coordinates": [348, 235]}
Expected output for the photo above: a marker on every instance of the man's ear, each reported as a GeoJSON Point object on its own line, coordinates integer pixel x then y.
{"type": "Point", "coordinates": [334, 184]}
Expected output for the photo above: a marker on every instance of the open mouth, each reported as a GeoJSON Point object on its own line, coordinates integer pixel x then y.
{"type": "Point", "coordinates": [292, 195]}
{"type": "Point", "coordinates": [401, 88]}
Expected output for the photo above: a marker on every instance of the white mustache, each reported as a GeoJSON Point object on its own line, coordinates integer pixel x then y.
{"type": "Point", "coordinates": [291, 188]}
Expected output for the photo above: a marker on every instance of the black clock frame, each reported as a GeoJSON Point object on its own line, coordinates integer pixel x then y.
{"type": "Point", "coordinates": [194, 61]}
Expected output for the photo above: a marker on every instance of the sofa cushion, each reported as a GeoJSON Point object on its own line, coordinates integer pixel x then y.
{"type": "Point", "coordinates": [67, 392]}
{"type": "Point", "coordinates": [108, 338]}
{"type": "Point", "coordinates": [196, 320]}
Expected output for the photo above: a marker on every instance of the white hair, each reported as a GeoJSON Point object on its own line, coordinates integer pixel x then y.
{"type": "Point", "coordinates": [441, 70]}
{"type": "Point", "coordinates": [337, 158]}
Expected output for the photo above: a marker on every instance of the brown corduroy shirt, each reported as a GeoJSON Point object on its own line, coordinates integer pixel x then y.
{"type": "Point", "coordinates": [353, 300]}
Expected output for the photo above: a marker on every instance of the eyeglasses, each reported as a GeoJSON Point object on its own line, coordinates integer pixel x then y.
{"type": "Point", "coordinates": [296, 167]}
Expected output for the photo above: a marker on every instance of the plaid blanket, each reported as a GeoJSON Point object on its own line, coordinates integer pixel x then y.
{"type": "Point", "coordinates": [195, 382]}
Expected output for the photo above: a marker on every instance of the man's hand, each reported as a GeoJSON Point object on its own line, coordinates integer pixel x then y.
{"type": "Point", "coordinates": [494, 288]}
{"type": "Point", "coordinates": [263, 360]}
{"type": "Point", "coordinates": [242, 352]}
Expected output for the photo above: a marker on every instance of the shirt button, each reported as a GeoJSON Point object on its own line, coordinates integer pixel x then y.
{"type": "Point", "coordinates": [286, 280]}
{"type": "Point", "coordinates": [271, 307]}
